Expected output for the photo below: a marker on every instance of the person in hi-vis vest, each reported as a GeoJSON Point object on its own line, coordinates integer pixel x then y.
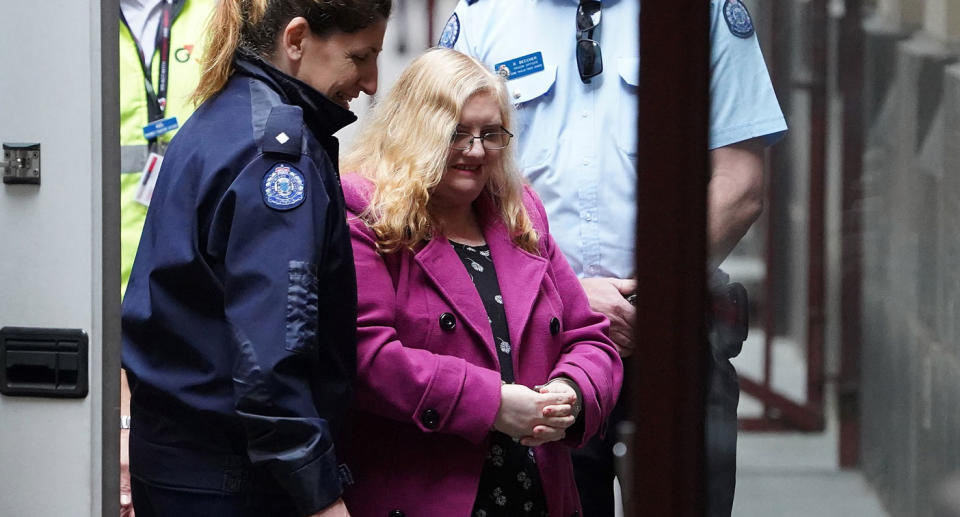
{"type": "Point", "coordinates": [164, 38]}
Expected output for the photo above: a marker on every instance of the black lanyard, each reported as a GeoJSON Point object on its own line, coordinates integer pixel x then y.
{"type": "Point", "coordinates": [164, 42]}
{"type": "Point", "coordinates": [157, 99]}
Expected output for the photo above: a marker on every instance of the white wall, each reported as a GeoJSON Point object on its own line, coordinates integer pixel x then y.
{"type": "Point", "coordinates": [50, 254]}
{"type": "Point", "coordinates": [942, 19]}
{"type": "Point", "coordinates": [408, 23]}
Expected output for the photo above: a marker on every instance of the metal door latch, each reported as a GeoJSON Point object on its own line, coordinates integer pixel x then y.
{"type": "Point", "coordinates": [21, 163]}
{"type": "Point", "coordinates": [44, 362]}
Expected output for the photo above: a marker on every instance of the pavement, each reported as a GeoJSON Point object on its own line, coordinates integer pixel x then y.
{"type": "Point", "coordinates": [793, 474]}
{"type": "Point", "coordinates": [781, 474]}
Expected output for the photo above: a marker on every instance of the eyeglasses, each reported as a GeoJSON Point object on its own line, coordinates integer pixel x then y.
{"type": "Point", "coordinates": [490, 140]}
{"type": "Point", "coordinates": [589, 57]}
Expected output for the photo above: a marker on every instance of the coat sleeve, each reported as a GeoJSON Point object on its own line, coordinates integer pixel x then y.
{"type": "Point", "coordinates": [270, 260]}
{"type": "Point", "coordinates": [436, 393]}
{"type": "Point", "coordinates": [589, 357]}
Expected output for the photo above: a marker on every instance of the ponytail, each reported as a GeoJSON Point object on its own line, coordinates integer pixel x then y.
{"type": "Point", "coordinates": [224, 34]}
{"type": "Point", "coordinates": [255, 26]}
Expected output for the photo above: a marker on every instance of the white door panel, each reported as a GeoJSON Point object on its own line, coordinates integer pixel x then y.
{"type": "Point", "coordinates": [53, 247]}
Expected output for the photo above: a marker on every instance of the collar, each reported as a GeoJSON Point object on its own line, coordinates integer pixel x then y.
{"type": "Point", "coordinates": [322, 116]}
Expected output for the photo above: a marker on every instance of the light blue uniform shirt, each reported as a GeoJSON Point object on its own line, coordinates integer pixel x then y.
{"type": "Point", "coordinates": [577, 142]}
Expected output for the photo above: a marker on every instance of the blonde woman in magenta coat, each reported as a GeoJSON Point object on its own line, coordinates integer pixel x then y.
{"type": "Point", "coordinates": [480, 361]}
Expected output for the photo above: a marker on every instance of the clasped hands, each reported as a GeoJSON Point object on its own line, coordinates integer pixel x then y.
{"type": "Point", "coordinates": [536, 417]}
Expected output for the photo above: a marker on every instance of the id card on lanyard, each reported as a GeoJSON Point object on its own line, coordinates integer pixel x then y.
{"type": "Point", "coordinates": [156, 106]}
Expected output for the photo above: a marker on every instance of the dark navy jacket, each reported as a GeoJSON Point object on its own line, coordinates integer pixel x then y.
{"type": "Point", "coordinates": [239, 322]}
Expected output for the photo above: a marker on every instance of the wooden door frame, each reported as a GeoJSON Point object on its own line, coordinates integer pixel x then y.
{"type": "Point", "coordinates": [669, 369]}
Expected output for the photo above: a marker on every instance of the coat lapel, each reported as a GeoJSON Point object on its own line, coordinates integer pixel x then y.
{"type": "Point", "coordinates": [519, 274]}
{"type": "Point", "coordinates": [440, 262]}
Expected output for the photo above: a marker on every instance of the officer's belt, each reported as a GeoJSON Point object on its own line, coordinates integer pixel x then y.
{"type": "Point", "coordinates": [729, 318]}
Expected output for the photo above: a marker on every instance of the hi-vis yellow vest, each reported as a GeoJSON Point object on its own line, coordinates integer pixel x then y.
{"type": "Point", "coordinates": [186, 41]}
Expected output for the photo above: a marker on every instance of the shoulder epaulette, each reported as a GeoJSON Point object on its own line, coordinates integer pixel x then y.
{"type": "Point", "coordinates": [283, 130]}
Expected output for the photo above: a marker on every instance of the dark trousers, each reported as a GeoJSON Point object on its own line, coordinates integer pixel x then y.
{"type": "Point", "coordinates": [156, 501]}
{"type": "Point", "coordinates": [594, 464]}
{"type": "Point", "coordinates": [169, 481]}
{"type": "Point", "coordinates": [723, 395]}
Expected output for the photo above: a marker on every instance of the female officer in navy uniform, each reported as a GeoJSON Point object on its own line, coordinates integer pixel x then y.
{"type": "Point", "coordinates": [239, 320]}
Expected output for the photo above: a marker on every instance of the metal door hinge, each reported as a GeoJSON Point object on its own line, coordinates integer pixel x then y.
{"type": "Point", "coordinates": [21, 163]}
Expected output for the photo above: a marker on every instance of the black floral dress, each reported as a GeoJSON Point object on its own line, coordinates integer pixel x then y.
{"type": "Point", "coordinates": [510, 483]}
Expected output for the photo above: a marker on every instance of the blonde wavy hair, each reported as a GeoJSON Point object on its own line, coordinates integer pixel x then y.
{"type": "Point", "coordinates": [403, 147]}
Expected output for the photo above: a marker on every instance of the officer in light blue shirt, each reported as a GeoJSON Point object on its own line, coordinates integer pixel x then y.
{"type": "Point", "coordinates": [577, 144]}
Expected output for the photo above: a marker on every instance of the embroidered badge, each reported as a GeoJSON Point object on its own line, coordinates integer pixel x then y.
{"type": "Point", "coordinates": [738, 18]}
{"type": "Point", "coordinates": [451, 32]}
{"type": "Point", "coordinates": [283, 187]}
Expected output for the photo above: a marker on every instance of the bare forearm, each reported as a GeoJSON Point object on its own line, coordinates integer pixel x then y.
{"type": "Point", "coordinates": [730, 215]}
{"type": "Point", "coordinates": [126, 501]}
{"type": "Point", "coordinates": [735, 196]}
{"type": "Point", "coordinates": [124, 394]}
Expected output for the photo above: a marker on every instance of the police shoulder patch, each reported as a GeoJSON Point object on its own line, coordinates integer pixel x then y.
{"type": "Point", "coordinates": [451, 32]}
{"type": "Point", "coordinates": [738, 18]}
{"type": "Point", "coordinates": [282, 187]}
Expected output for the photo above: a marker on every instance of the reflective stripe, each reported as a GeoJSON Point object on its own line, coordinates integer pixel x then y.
{"type": "Point", "coordinates": [134, 157]}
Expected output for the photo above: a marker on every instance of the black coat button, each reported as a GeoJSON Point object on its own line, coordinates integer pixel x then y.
{"type": "Point", "coordinates": [430, 418]}
{"type": "Point", "coordinates": [397, 513]}
{"type": "Point", "coordinates": [448, 321]}
{"type": "Point", "coordinates": [554, 326]}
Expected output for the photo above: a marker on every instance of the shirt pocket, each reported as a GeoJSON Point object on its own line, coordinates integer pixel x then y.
{"type": "Point", "coordinates": [628, 68]}
{"type": "Point", "coordinates": [532, 96]}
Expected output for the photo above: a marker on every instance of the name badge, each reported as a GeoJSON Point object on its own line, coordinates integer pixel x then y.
{"type": "Point", "coordinates": [148, 180]}
{"type": "Point", "coordinates": [159, 127]}
{"type": "Point", "coordinates": [520, 66]}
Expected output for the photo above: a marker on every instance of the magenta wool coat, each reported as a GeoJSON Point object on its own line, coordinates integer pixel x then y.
{"type": "Point", "coordinates": [428, 386]}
